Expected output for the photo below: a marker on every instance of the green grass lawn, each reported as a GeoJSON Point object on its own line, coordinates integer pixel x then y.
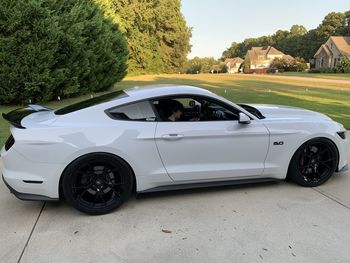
{"type": "Point", "coordinates": [332, 99]}
{"type": "Point", "coordinates": [341, 76]}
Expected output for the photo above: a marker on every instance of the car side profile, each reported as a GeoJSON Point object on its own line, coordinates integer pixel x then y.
{"type": "Point", "coordinates": [96, 153]}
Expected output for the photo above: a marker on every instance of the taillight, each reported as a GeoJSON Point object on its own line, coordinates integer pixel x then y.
{"type": "Point", "coordinates": [10, 141]}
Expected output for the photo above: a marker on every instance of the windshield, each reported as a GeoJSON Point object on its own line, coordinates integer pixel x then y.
{"type": "Point", "coordinates": [91, 102]}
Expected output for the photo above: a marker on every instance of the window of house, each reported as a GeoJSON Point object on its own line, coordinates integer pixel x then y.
{"type": "Point", "coordinates": [139, 111]}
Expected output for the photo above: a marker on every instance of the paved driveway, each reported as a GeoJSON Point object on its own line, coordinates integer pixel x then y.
{"type": "Point", "coordinates": [269, 222]}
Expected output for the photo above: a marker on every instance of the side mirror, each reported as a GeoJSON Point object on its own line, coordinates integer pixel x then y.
{"type": "Point", "coordinates": [243, 118]}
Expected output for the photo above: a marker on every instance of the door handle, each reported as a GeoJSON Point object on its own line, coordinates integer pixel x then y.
{"type": "Point", "coordinates": [172, 136]}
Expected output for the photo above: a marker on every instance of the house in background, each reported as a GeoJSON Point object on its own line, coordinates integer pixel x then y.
{"type": "Point", "coordinates": [259, 59]}
{"type": "Point", "coordinates": [233, 64]}
{"type": "Point", "coordinates": [328, 55]}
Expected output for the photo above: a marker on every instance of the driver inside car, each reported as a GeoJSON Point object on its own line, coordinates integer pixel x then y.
{"type": "Point", "coordinates": [173, 110]}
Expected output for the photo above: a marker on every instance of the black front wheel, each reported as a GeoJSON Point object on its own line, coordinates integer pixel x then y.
{"type": "Point", "coordinates": [97, 183]}
{"type": "Point", "coordinates": [313, 163]}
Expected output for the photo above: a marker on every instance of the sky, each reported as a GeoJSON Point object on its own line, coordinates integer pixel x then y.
{"type": "Point", "coordinates": [216, 24]}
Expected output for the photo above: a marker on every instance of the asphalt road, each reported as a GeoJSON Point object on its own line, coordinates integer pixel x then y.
{"type": "Point", "coordinates": [269, 222]}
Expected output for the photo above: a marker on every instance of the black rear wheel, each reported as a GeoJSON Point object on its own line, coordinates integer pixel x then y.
{"type": "Point", "coordinates": [97, 183]}
{"type": "Point", "coordinates": [313, 163]}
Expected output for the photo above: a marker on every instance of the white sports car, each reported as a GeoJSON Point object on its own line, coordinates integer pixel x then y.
{"type": "Point", "coordinates": [96, 153]}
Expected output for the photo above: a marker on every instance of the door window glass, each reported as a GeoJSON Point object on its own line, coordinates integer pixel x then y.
{"type": "Point", "coordinates": [193, 109]}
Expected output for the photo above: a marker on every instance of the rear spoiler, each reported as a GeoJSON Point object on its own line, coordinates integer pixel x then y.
{"type": "Point", "coordinates": [15, 117]}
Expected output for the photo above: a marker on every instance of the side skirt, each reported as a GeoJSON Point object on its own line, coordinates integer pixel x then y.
{"type": "Point", "coordinates": [183, 186]}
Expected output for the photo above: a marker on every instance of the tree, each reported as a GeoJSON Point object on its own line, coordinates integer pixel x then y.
{"type": "Point", "coordinates": [298, 30]}
{"type": "Point", "coordinates": [345, 31]}
{"type": "Point", "coordinates": [331, 25]}
{"type": "Point", "coordinates": [278, 37]}
{"type": "Point", "coordinates": [200, 65]}
{"type": "Point", "coordinates": [157, 34]}
{"type": "Point", "coordinates": [231, 52]}
{"type": "Point", "coordinates": [310, 44]}
{"type": "Point", "coordinates": [172, 35]}
{"type": "Point", "coordinates": [57, 48]}
{"type": "Point", "coordinates": [292, 42]}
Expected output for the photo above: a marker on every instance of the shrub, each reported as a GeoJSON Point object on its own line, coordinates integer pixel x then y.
{"type": "Point", "coordinates": [289, 64]}
{"type": "Point", "coordinates": [343, 65]}
{"type": "Point", "coordinates": [327, 70]}
{"type": "Point", "coordinates": [223, 68]}
{"type": "Point", "coordinates": [314, 70]}
{"type": "Point", "coordinates": [57, 48]}
{"type": "Point", "coordinates": [194, 69]}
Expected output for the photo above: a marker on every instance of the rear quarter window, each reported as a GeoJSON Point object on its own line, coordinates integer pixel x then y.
{"type": "Point", "coordinates": [138, 111]}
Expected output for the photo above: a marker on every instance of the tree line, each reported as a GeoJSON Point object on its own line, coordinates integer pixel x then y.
{"type": "Point", "coordinates": [298, 41]}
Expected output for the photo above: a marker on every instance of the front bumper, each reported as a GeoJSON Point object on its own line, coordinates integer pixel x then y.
{"type": "Point", "coordinates": [345, 168]}
{"type": "Point", "coordinates": [27, 197]}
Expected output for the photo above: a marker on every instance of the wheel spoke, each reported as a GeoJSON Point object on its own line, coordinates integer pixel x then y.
{"type": "Point", "coordinates": [82, 193]}
{"type": "Point", "coordinates": [95, 200]}
{"type": "Point", "coordinates": [81, 186]}
{"type": "Point", "coordinates": [324, 164]}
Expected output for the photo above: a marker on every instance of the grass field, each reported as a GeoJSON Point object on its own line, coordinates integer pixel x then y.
{"type": "Point", "coordinates": [332, 99]}
{"type": "Point", "coordinates": [345, 76]}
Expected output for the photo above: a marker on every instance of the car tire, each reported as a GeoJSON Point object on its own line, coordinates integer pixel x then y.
{"type": "Point", "coordinates": [97, 183]}
{"type": "Point", "coordinates": [313, 163]}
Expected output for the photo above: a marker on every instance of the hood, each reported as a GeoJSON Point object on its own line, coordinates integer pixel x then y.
{"type": "Point", "coordinates": [272, 112]}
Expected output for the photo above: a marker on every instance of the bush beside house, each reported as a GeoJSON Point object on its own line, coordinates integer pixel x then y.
{"type": "Point", "coordinates": [289, 64]}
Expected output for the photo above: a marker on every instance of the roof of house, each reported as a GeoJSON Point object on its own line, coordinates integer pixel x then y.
{"type": "Point", "coordinates": [255, 53]}
{"type": "Point", "coordinates": [287, 57]}
{"type": "Point", "coordinates": [342, 44]}
{"type": "Point", "coordinates": [233, 61]}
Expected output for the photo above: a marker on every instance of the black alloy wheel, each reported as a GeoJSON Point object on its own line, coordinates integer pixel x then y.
{"type": "Point", "coordinates": [314, 162]}
{"type": "Point", "coordinates": [97, 183]}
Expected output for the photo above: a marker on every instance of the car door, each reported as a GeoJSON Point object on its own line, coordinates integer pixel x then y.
{"type": "Point", "coordinates": [212, 149]}
{"type": "Point", "coordinates": [131, 137]}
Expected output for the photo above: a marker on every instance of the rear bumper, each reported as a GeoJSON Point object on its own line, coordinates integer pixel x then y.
{"type": "Point", "coordinates": [28, 197]}
{"type": "Point", "coordinates": [30, 180]}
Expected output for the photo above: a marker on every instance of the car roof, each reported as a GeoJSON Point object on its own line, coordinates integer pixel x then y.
{"type": "Point", "coordinates": [150, 91]}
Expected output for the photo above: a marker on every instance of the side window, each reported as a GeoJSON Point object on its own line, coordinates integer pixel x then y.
{"type": "Point", "coordinates": [214, 111]}
{"type": "Point", "coordinates": [139, 111]}
{"type": "Point", "coordinates": [193, 109]}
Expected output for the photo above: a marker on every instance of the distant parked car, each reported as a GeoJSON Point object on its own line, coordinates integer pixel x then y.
{"type": "Point", "coordinates": [96, 153]}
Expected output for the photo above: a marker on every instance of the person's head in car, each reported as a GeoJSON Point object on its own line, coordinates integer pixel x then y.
{"type": "Point", "coordinates": [173, 110]}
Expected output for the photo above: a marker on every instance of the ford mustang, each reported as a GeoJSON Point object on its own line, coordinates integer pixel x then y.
{"type": "Point", "coordinates": [96, 153]}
